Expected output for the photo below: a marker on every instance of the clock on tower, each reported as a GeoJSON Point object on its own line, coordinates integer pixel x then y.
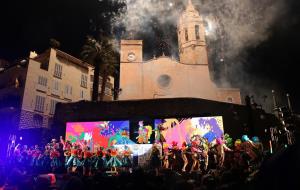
{"type": "Point", "coordinates": [131, 51]}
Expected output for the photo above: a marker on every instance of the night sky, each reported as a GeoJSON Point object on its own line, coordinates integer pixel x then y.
{"type": "Point", "coordinates": [28, 25]}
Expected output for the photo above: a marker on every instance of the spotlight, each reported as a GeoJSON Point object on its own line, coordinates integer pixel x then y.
{"type": "Point", "coordinates": [21, 138]}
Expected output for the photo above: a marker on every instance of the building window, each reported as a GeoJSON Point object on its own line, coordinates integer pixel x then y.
{"type": "Point", "coordinates": [58, 70]}
{"type": "Point", "coordinates": [56, 87]}
{"type": "Point", "coordinates": [197, 32]}
{"type": "Point", "coordinates": [81, 94]}
{"type": "Point", "coordinates": [186, 34]}
{"type": "Point", "coordinates": [37, 120]}
{"type": "Point", "coordinates": [68, 90]}
{"type": "Point", "coordinates": [83, 80]}
{"type": "Point", "coordinates": [52, 106]}
{"type": "Point", "coordinates": [42, 81]}
{"type": "Point", "coordinates": [44, 65]}
{"type": "Point", "coordinates": [39, 103]}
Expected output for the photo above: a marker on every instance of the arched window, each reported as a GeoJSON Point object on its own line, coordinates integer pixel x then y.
{"type": "Point", "coordinates": [197, 32]}
{"type": "Point", "coordinates": [186, 34]}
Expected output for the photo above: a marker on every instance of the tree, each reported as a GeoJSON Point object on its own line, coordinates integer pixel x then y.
{"type": "Point", "coordinates": [54, 43]}
{"type": "Point", "coordinates": [102, 56]}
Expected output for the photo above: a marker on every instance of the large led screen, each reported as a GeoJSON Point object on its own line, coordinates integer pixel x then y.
{"type": "Point", "coordinates": [99, 134]}
{"type": "Point", "coordinates": [183, 129]}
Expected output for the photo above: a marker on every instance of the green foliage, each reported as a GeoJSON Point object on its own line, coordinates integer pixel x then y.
{"type": "Point", "coordinates": [106, 13]}
{"type": "Point", "coordinates": [229, 141]}
{"type": "Point", "coordinates": [81, 137]}
{"type": "Point", "coordinates": [73, 138]}
{"type": "Point", "coordinates": [102, 55]}
{"type": "Point", "coordinates": [54, 43]}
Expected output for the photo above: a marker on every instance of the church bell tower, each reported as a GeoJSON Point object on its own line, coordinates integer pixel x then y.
{"type": "Point", "coordinates": [191, 37]}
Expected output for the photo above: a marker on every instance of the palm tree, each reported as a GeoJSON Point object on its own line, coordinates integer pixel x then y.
{"type": "Point", "coordinates": [102, 56]}
{"type": "Point", "coordinates": [108, 68]}
{"type": "Point", "coordinates": [54, 43]}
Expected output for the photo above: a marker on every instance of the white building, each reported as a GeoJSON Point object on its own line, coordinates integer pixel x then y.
{"type": "Point", "coordinates": [53, 77]}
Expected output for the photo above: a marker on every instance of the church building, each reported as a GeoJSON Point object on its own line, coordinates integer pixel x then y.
{"type": "Point", "coordinates": [164, 77]}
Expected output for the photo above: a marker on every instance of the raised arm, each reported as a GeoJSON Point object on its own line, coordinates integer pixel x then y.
{"type": "Point", "coordinates": [62, 141]}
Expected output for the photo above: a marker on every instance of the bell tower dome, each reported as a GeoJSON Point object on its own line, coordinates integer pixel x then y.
{"type": "Point", "coordinates": [191, 37]}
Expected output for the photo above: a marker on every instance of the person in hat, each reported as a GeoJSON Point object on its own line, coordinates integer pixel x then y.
{"type": "Point", "coordinates": [35, 156]}
{"type": "Point", "coordinates": [54, 156]}
{"type": "Point", "coordinates": [248, 154]}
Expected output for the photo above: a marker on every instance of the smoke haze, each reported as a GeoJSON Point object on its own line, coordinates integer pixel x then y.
{"type": "Point", "coordinates": [232, 27]}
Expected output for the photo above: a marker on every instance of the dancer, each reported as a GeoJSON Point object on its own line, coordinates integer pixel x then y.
{"type": "Point", "coordinates": [35, 157]}
{"type": "Point", "coordinates": [237, 155]}
{"type": "Point", "coordinates": [45, 160]}
{"type": "Point", "coordinates": [247, 147]}
{"type": "Point", "coordinates": [25, 156]}
{"type": "Point", "coordinates": [184, 148]}
{"type": "Point", "coordinates": [195, 155]}
{"type": "Point", "coordinates": [248, 154]}
{"type": "Point", "coordinates": [126, 160]}
{"type": "Point", "coordinates": [99, 159]}
{"type": "Point", "coordinates": [86, 162]}
{"type": "Point", "coordinates": [114, 162]}
{"type": "Point", "coordinates": [166, 156]}
{"type": "Point", "coordinates": [258, 146]}
{"type": "Point", "coordinates": [66, 149]}
{"type": "Point", "coordinates": [221, 148]}
{"type": "Point", "coordinates": [54, 156]}
{"type": "Point", "coordinates": [155, 158]}
{"type": "Point", "coordinates": [175, 157]}
{"type": "Point", "coordinates": [17, 155]}
{"type": "Point", "coordinates": [73, 162]}
{"type": "Point", "coordinates": [204, 146]}
{"type": "Point", "coordinates": [106, 158]}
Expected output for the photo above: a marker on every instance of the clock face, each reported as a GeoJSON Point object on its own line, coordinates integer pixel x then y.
{"type": "Point", "coordinates": [131, 56]}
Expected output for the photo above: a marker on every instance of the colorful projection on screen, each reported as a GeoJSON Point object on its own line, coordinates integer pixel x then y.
{"type": "Point", "coordinates": [182, 129]}
{"type": "Point", "coordinates": [141, 131]}
{"type": "Point", "coordinates": [99, 134]}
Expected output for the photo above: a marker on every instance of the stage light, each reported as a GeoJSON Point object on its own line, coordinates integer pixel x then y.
{"type": "Point", "coordinates": [21, 138]}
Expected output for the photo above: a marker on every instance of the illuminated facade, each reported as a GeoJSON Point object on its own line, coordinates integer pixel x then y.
{"type": "Point", "coordinates": [35, 87]}
{"type": "Point", "coordinates": [164, 77]}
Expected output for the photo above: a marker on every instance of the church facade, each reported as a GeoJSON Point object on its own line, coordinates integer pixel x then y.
{"type": "Point", "coordinates": [164, 77]}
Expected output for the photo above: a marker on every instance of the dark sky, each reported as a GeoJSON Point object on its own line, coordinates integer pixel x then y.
{"type": "Point", "coordinates": [28, 25]}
